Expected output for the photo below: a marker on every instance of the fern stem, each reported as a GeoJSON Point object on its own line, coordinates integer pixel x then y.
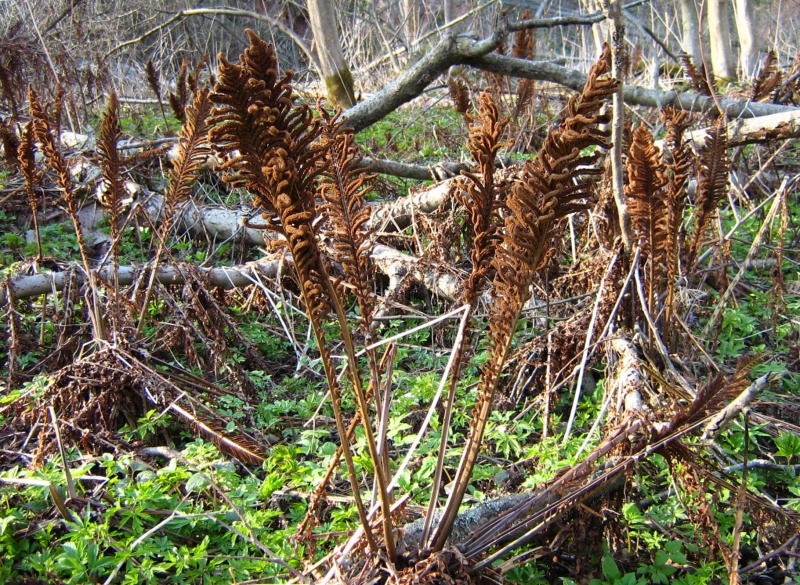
{"type": "Point", "coordinates": [358, 388]}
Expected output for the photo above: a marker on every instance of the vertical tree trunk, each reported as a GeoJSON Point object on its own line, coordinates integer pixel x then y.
{"type": "Point", "coordinates": [338, 79]}
{"type": "Point", "coordinates": [723, 62]}
{"type": "Point", "coordinates": [614, 10]}
{"type": "Point", "coordinates": [411, 23]}
{"type": "Point", "coordinates": [691, 31]}
{"type": "Point", "coordinates": [748, 38]}
{"type": "Point", "coordinates": [600, 30]}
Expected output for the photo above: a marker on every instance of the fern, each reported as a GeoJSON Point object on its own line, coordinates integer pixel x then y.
{"type": "Point", "coordinates": [712, 185]}
{"type": "Point", "coordinates": [768, 81]}
{"type": "Point", "coordinates": [33, 176]}
{"type": "Point", "coordinates": [648, 208]}
{"type": "Point", "coordinates": [112, 186]}
{"type": "Point", "coordinates": [678, 170]}
{"type": "Point", "coordinates": [178, 101]}
{"type": "Point", "coordinates": [558, 182]}
{"type": "Point", "coordinates": [270, 147]}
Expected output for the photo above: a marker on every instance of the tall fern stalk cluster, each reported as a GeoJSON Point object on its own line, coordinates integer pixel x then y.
{"type": "Point", "coordinates": [302, 167]}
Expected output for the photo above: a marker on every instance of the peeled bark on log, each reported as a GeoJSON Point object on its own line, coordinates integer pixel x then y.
{"type": "Point", "coordinates": [230, 277]}
{"type": "Point", "coordinates": [689, 101]}
{"type": "Point", "coordinates": [751, 130]}
{"type": "Point", "coordinates": [388, 261]}
{"type": "Point", "coordinates": [397, 215]}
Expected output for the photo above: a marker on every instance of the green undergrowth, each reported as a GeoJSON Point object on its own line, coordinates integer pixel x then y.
{"type": "Point", "coordinates": [194, 515]}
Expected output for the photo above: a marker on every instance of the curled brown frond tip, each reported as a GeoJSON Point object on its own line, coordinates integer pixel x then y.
{"type": "Point", "coordinates": [459, 93]}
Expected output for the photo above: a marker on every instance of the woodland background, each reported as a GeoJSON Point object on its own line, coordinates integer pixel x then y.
{"type": "Point", "coordinates": [546, 285]}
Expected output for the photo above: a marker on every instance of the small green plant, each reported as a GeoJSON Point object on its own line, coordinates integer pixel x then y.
{"type": "Point", "coordinates": [788, 445]}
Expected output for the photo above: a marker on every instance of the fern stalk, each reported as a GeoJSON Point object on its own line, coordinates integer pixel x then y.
{"type": "Point", "coordinates": [557, 183]}
{"type": "Point", "coordinates": [193, 149]}
{"type": "Point", "coordinates": [43, 132]}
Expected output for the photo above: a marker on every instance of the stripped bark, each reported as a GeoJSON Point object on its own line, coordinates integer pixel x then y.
{"type": "Point", "coordinates": [388, 261]}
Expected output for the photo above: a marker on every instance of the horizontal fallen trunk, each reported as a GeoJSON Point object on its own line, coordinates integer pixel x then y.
{"type": "Point", "coordinates": [462, 50]}
{"type": "Point", "coordinates": [22, 287]}
{"type": "Point", "coordinates": [750, 130]}
{"type": "Point", "coordinates": [634, 95]}
{"type": "Point", "coordinates": [388, 261]}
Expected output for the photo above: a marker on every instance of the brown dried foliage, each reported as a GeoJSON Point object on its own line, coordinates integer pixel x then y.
{"type": "Point", "coordinates": [342, 187]}
{"type": "Point", "coordinates": [483, 199]}
{"type": "Point", "coordinates": [178, 101]}
{"type": "Point", "coordinates": [698, 77]}
{"type": "Point", "coordinates": [152, 79]}
{"type": "Point", "coordinates": [459, 93]}
{"type": "Point", "coordinates": [647, 204]}
{"type": "Point", "coordinates": [679, 165]}
{"type": "Point", "coordinates": [112, 191]}
{"type": "Point", "coordinates": [267, 144]}
{"type": "Point", "coordinates": [712, 185]}
{"type": "Point", "coordinates": [33, 176]}
{"type": "Point", "coordinates": [546, 192]}
{"type": "Point", "coordinates": [193, 150]}
{"type": "Point", "coordinates": [768, 81]}
{"type": "Point", "coordinates": [278, 158]}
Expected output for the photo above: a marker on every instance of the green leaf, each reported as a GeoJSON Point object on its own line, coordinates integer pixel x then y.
{"type": "Point", "coordinates": [610, 569]}
{"type": "Point", "coordinates": [196, 482]}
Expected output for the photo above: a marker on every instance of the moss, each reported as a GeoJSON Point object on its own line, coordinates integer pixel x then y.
{"type": "Point", "coordinates": [340, 88]}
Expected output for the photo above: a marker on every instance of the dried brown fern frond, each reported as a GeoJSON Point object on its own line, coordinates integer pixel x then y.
{"type": "Point", "coordinates": [483, 198]}
{"type": "Point", "coordinates": [112, 186]}
{"type": "Point", "coordinates": [155, 85]}
{"type": "Point", "coordinates": [33, 176]}
{"type": "Point", "coordinates": [768, 80]}
{"type": "Point", "coordinates": [43, 131]}
{"type": "Point", "coordinates": [52, 153]}
{"type": "Point", "coordinates": [234, 445]}
{"type": "Point", "coordinates": [342, 187]}
{"type": "Point", "coordinates": [712, 185]}
{"type": "Point", "coordinates": [558, 182]}
{"type": "Point", "coordinates": [648, 208]}
{"type": "Point", "coordinates": [59, 103]}
{"type": "Point", "coordinates": [193, 150]}
{"type": "Point", "coordinates": [789, 90]}
{"type": "Point", "coordinates": [193, 80]}
{"type": "Point", "coordinates": [459, 93]}
{"type": "Point", "coordinates": [679, 165]}
{"type": "Point", "coordinates": [697, 76]}
{"type": "Point", "coordinates": [178, 100]}
{"type": "Point", "coordinates": [277, 160]}
{"type": "Point", "coordinates": [524, 40]}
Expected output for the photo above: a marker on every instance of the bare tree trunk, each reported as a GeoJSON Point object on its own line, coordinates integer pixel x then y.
{"type": "Point", "coordinates": [723, 62]}
{"type": "Point", "coordinates": [748, 38]}
{"type": "Point", "coordinates": [691, 40]}
{"type": "Point", "coordinates": [338, 79]}
{"type": "Point", "coordinates": [615, 17]}
{"type": "Point", "coordinates": [600, 30]}
{"type": "Point", "coordinates": [411, 14]}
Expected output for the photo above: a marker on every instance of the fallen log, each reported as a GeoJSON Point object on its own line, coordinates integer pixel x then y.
{"type": "Point", "coordinates": [388, 261]}
{"type": "Point", "coordinates": [21, 287]}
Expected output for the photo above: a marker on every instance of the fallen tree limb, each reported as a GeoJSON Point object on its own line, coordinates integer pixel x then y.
{"type": "Point", "coordinates": [463, 50]}
{"type": "Point", "coordinates": [22, 287]}
{"type": "Point", "coordinates": [727, 414]}
{"type": "Point", "coordinates": [751, 130]}
{"type": "Point", "coordinates": [635, 95]}
{"type": "Point", "coordinates": [388, 261]}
